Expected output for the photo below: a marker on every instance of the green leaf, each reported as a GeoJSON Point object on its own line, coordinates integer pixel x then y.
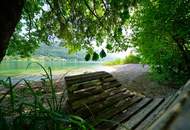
{"type": "Point", "coordinates": [102, 54]}
{"type": "Point", "coordinates": [109, 47]}
{"type": "Point", "coordinates": [95, 56]}
{"type": "Point", "coordinates": [87, 57]}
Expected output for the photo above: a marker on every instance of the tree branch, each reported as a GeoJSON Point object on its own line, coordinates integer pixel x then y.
{"type": "Point", "coordinates": [90, 9]}
{"type": "Point", "coordinates": [104, 5]}
{"type": "Point", "coordinates": [30, 21]}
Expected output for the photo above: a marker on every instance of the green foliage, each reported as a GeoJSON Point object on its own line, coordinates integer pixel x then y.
{"type": "Point", "coordinates": [109, 47]}
{"type": "Point", "coordinates": [87, 57]}
{"type": "Point", "coordinates": [135, 59]}
{"type": "Point", "coordinates": [131, 59]}
{"type": "Point", "coordinates": [161, 30]}
{"type": "Point", "coordinates": [162, 35]}
{"type": "Point", "coordinates": [76, 23]}
{"type": "Point", "coordinates": [102, 54]}
{"type": "Point", "coordinates": [95, 56]}
{"type": "Point", "coordinates": [37, 109]}
{"type": "Point", "coordinates": [114, 62]}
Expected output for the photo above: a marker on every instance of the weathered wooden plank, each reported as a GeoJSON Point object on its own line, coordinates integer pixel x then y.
{"type": "Point", "coordinates": [85, 93]}
{"type": "Point", "coordinates": [73, 77]}
{"type": "Point", "coordinates": [107, 85]}
{"type": "Point", "coordinates": [86, 77]}
{"type": "Point", "coordinates": [182, 117]}
{"type": "Point", "coordinates": [95, 98]}
{"type": "Point", "coordinates": [99, 106]}
{"type": "Point", "coordinates": [83, 85]}
{"type": "Point", "coordinates": [109, 79]}
{"type": "Point", "coordinates": [124, 115]}
{"type": "Point", "coordinates": [156, 114]}
{"type": "Point", "coordinates": [115, 109]}
{"type": "Point", "coordinates": [135, 120]}
{"type": "Point", "coordinates": [166, 120]}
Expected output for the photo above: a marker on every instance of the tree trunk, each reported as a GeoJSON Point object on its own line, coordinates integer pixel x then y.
{"type": "Point", "coordinates": [185, 53]}
{"type": "Point", "coordinates": [10, 14]}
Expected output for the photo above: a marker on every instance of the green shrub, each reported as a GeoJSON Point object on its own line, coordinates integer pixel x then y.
{"type": "Point", "coordinates": [114, 62]}
{"type": "Point", "coordinates": [131, 59]}
{"type": "Point", "coordinates": [135, 59]}
{"type": "Point", "coordinates": [37, 109]}
{"type": "Point", "coordinates": [161, 36]}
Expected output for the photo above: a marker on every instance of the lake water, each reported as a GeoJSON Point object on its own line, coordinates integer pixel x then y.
{"type": "Point", "coordinates": [19, 67]}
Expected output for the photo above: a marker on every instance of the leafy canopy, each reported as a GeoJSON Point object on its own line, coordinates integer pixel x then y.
{"type": "Point", "coordinates": [76, 23]}
{"type": "Point", "coordinates": [161, 30]}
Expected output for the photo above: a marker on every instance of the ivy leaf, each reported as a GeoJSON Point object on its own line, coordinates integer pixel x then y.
{"type": "Point", "coordinates": [109, 47]}
{"type": "Point", "coordinates": [95, 56]}
{"type": "Point", "coordinates": [87, 57]}
{"type": "Point", "coordinates": [102, 54]}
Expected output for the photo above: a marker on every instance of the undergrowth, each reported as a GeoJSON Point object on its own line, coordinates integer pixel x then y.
{"type": "Point", "coordinates": [24, 107]}
{"type": "Point", "coordinates": [131, 59]}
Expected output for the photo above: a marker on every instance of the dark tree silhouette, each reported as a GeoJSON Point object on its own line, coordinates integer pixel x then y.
{"type": "Point", "coordinates": [10, 14]}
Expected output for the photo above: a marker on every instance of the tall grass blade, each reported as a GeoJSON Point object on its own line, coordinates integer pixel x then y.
{"type": "Point", "coordinates": [8, 85]}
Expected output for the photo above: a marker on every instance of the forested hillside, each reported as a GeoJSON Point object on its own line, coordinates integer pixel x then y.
{"type": "Point", "coordinates": [60, 52]}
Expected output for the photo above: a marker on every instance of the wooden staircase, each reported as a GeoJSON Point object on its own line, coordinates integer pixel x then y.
{"type": "Point", "coordinates": [101, 100]}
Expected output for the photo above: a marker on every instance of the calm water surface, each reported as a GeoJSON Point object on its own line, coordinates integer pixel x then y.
{"type": "Point", "coordinates": [19, 67]}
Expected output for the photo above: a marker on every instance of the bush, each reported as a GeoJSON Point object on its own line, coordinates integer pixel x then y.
{"type": "Point", "coordinates": [161, 34]}
{"type": "Point", "coordinates": [114, 62]}
{"type": "Point", "coordinates": [131, 59]}
{"type": "Point", "coordinates": [135, 59]}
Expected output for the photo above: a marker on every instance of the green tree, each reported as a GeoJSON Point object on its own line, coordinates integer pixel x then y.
{"type": "Point", "coordinates": [77, 23]}
{"type": "Point", "coordinates": [162, 36]}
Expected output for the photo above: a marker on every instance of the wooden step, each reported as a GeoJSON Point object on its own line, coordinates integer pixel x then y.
{"type": "Point", "coordinates": [74, 77]}
{"type": "Point", "coordinates": [94, 108]}
{"type": "Point", "coordinates": [156, 114]}
{"type": "Point", "coordinates": [124, 115]}
{"type": "Point", "coordinates": [83, 93]}
{"type": "Point", "coordinates": [95, 98]}
{"type": "Point", "coordinates": [115, 109]}
{"type": "Point", "coordinates": [136, 119]}
{"type": "Point", "coordinates": [84, 85]}
{"type": "Point", "coordinates": [86, 77]}
{"type": "Point", "coordinates": [101, 100]}
{"type": "Point", "coordinates": [89, 83]}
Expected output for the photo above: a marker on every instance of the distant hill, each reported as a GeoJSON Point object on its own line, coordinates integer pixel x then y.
{"type": "Point", "coordinates": [61, 52]}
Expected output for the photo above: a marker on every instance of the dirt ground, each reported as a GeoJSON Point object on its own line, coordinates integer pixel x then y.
{"type": "Point", "coordinates": [133, 76]}
{"type": "Point", "coordinates": [136, 78]}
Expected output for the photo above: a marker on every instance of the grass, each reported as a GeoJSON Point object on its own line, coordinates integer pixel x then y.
{"type": "Point", "coordinates": [29, 108]}
{"type": "Point", "coordinates": [135, 59]}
